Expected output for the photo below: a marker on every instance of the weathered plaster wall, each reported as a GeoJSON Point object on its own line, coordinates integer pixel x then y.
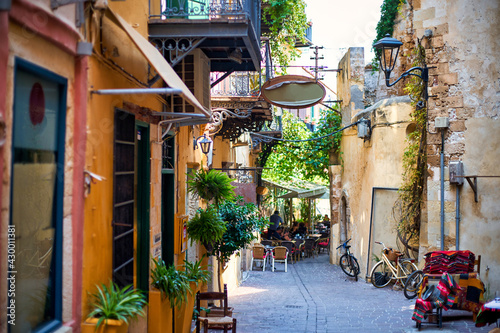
{"type": "Point", "coordinates": [98, 238]}
{"type": "Point", "coordinates": [368, 163]}
{"type": "Point", "coordinates": [465, 87]}
{"type": "Point", "coordinates": [464, 48]}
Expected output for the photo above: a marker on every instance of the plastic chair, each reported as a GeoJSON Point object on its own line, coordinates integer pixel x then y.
{"type": "Point", "coordinates": [280, 254]}
{"type": "Point", "coordinates": [227, 322]}
{"type": "Point", "coordinates": [258, 255]}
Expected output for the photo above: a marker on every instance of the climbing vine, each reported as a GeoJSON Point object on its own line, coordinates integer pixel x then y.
{"type": "Point", "coordinates": [385, 25]}
{"type": "Point", "coordinates": [414, 161]}
{"type": "Point", "coordinates": [287, 21]}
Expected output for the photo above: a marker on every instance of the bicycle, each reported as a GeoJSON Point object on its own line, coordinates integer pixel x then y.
{"type": "Point", "coordinates": [412, 285]}
{"type": "Point", "coordinates": [385, 271]}
{"type": "Point", "coordinates": [348, 262]}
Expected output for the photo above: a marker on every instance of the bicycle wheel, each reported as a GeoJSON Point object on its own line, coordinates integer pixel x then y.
{"type": "Point", "coordinates": [355, 265]}
{"type": "Point", "coordinates": [412, 285]}
{"type": "Point", "coordinates": [350, 267]}
{"type": "Point", "coordinates": [406, 268]}
{"type": "Point", "coordinates": [381, 275]}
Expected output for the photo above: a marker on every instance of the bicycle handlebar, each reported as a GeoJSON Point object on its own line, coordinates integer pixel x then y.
{"type": "Point", "coordinates": [344, 244]}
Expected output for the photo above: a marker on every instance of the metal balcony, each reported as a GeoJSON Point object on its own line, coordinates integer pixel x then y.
{"type": "Point", "coordinates": [228, 32]}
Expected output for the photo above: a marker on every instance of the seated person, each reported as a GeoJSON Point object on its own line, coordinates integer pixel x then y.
{"type": "Point", "coordinates": [264, 234]}
{"type": "Point", "coordinates": [283, 235]}
{"type": "Point", "coordinates": [302, 229]}
{"type": "Point", "coordinates": [295, 229]}
{"type": "Point", "coordinates": [326, 221]}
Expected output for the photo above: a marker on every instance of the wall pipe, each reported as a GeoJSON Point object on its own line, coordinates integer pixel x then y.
{"type": "Point", "coordinates": [442, 190]}
{"type": "Point", "coordinates": [457, 220]}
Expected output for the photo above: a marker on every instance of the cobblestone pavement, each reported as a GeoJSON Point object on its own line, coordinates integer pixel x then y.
{"type": "Point", "coordinates": [315, 296]}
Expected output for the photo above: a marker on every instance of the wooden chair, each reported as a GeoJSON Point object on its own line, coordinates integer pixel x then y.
{"type": "Point", "coordinates": [258, 255]}
{"type": "Point", "coordinates": [477, 264]}
{"type": "Point", "coordinates": [280, 254]}
{"type": "Point", "coordinates": [226, 322]}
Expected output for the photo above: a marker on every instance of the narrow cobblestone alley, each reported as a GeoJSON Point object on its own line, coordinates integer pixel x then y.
{"type": "Point", "coordinates": [314, 296]}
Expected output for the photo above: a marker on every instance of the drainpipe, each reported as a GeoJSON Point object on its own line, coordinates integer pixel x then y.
{"type": "Point", "coordinates": [442, 190]}
{"type": "Point", "coordinates": [457, 219]}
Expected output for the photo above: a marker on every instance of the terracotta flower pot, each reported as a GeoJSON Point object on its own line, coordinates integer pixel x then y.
{"type": "Point", "coordinates": [110, 326]}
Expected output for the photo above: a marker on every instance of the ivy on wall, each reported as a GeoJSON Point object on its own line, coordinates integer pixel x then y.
{"type": "Point", "coordinates": [385, 25]}
{"type": "Point", "coordinates": [414, 161]}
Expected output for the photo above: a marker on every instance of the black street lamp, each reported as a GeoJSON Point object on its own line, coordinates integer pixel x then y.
{"type": "Point", "coordinates": [205, 144]}
{"type": "Point", "coordinates": [390, 50]}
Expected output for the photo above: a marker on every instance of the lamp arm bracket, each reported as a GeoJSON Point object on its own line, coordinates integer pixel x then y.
{"type": "Point", "coordinates": [424, 75]}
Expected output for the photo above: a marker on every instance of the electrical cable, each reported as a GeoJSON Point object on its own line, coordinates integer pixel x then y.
{"type": "Point", "coordinates": [306, 140]}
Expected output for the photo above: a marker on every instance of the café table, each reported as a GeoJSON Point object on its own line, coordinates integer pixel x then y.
{"type": "Point", "coordinates": [489, 313]}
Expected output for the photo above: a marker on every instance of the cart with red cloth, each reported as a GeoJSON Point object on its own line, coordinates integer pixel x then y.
{"type": "Point", "coordinates": [449, 283]}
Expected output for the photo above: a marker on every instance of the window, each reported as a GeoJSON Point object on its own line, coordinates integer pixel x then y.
{"type": "Point", "coordinates": [37, 186]}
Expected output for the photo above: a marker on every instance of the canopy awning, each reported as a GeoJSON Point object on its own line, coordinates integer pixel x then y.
{"type": "Point", "coordinates": [299, 189]}
{"type": "Point", "coordinates": [158, 62]}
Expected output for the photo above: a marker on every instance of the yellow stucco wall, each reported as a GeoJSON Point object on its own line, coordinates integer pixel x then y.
{"type": "Point", "coordinates": [97, 252]}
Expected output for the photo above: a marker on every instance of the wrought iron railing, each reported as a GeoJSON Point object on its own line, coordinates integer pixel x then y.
{"type": "Point", "coordinates": [238, 84]}
{"type": "Point", "coordinates": [204, 9]}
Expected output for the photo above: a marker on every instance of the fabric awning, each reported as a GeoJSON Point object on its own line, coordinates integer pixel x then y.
{"type": "Point", "coordinates": [299, 189]}
{"type": "Point", "coordinates": [158, 62]}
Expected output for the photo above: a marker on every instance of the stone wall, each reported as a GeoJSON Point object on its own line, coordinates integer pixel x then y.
{"type": "Point", "coordinates": [464, 86]}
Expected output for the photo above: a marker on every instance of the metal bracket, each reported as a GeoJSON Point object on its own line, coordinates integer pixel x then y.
{"type": "Point", "coordinates": [473, 185]}
{"type": "Point", "coordinates": [472, 180]}
{"type": "Point", "coordinates": [175, 49]}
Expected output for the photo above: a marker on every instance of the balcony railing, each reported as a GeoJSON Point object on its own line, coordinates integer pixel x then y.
{"type": "Point", "coordinates": [204, 9]}
{"type": "Point", "coordinates": [238, 84]}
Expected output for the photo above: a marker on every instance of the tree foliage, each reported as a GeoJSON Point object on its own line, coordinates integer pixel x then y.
{"type": "Point", "coordinates": [287, 21]}
{"type": "Point", "coordinates": [241, 219]}
{"type": "Point", "coordinates": [305, 160]}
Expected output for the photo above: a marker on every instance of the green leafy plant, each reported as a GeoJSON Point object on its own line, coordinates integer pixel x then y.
{"type": "Point", "coordinates": [385, 25]}
{"type": "Point", "coordinates": [242, 220]}
{"type": "Point", "coordinates": [307, 160]}
{"type": "Point", "coordinates": [173, 284]}
{"type": "Point", "coordinates": [414, 163]}
{"type": "Point", "coordinates": [287, 22]}
{"type": "Point", "coordinates": [211, 185]}
{"type": "Point", "coordinates": [115, 303]}
{"type": "Point", "coordinates": [207, 227]}
{"type": "Point", "coordinates": [195, 273]}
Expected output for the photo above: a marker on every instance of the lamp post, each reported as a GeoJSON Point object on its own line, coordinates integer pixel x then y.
{"type": "Point", "coordinates": [390, 50]}
{"type": "Point", "coordinates": [205, 144]}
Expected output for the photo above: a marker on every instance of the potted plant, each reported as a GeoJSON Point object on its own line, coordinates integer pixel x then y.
{"type": "Point", "coordinates": [207, 227]}
{"type": "Point", "coordinates": [196, 275]}
{"type": "Point", "coordinates": [172, 289]}
{"type": "Point", "coordinates": [211, 185]}
{"type": "Point", "coordinates": [113, 308]}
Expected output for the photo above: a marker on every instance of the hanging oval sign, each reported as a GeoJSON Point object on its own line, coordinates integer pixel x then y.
{"type": "Point", "coordinates": [293, 91]}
